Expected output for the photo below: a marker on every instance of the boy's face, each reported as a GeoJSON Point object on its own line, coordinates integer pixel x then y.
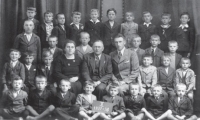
{"type": "Point", "coordinates": [70, 48]}
{"type": "Point", "coordinates": [17, 84]}
{"type": "Point", "coordinates": [165, 20]}
{"type": "Point", "coordinates": [29, 60]}
{"type": "Point", "coordinates": [28, 26]}
{"type": "Point", "coordinates": [52, 42]}
{"type": "Point", "coordinates": [64, 86]}
{"type": "Point", "coordinates": [147, 18]}
{"type": "Point", "coordinates": [185, 64]}
{"type": "Point", "coordinates": [111, 15]}
{"type": "Point", "coordinates": [76, 19]}
{"type": "Point", "coordinates": [88, 89]}
{"type": "Point", "coordinates": [136, 42]}
{"type": "Point", "coordinates": [61, 19]}
{"type": "Point", "coordinates": [48, 18]}
{"type": "Point", "coordinates": [113, 91]}
{"type": "Point", "coordinates": [155, 42]}
{"type": "Point", "coordinates": [166, 61]}
{"type": "Point", "coordinates": [41, 83]}
{"type": "Point", "coordinates": [173, 47]}
{"type": "Point", "coordinates": [94, 15]}
{"type": "Point", "coordinates": [119, 43]}
{"type": "Point", "coordinates": [157, 91]}
{"type": "Point", "coordinates": [147, 61]}
{"type": "Point", "coordinates": [129, 17]}
{"type": "Point", "coordinates": [14, 56]}
{"type": "Point", "coordinates": [30, 14]}
{"type": "Point", "coordinates": [181, 90]}
{"type": "Point", "coordinates": [134, 90]}
{"type": "Point", "coordinates": [85, 38]}
{"type": "Point", "coordinates": [184, 19]}
{"type": "Point", "coordinates": [48, 60]}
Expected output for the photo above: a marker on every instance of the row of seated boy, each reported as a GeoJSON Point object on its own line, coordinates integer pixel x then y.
{"type": "Point", "coordinates": [41, 103]}
{"type": "Point", "coordinates": [183, 34]}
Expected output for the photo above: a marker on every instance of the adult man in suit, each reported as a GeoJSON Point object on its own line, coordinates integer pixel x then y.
{"type": "Point", "coordinates": [28, 41]}
{"type": "Point", "coordinates": [125, 64]}
{"type": "Point", "coordinates": [97, 67]}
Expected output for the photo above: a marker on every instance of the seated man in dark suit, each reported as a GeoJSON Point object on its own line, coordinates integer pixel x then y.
{"type": "Point", "coordinates": [97, 67]}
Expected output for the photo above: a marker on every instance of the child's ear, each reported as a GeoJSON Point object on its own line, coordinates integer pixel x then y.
{"type": "Point", "coordinates": [19, 56]}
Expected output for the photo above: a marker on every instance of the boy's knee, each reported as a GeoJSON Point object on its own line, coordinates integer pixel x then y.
{"type": "Point", "coordinates": [51, 107]}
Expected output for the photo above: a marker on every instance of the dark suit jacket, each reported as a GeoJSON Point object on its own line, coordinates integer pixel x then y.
{"type": "Point", "coordinates": [127, 68]}
{"type": "Point", "coordinates": [30, 76]}
{"type": "Point", "coordinates": [58, 52]}
{"type": "Point", "coordinates": [167, 81]}
{"type": "Point", "coordinates": [36, 24]}
{"type": "Point", "coordinates": [157, 107]}
{"type": "Point", "coordinates": [65, 102]}
{"type": "Point", "coordinates": [43, 34]}
{"type": "Point", "coordinates": [95, 31]}
{"type": "Point", "coordinates": [74, 33]}
{"type": "Point", "coordinates": [109, 33]}
{"type": "Point", "coordinates": [61, 34]}
{"type": "Point", "coordinates": [166, 35]}
{"type": "Point", "coordinates": [184, 107]}
{"type": "Point", "coordinates": [118, 103]}
{"type": "Point", "coordinates": [134, 106]}
{"type": "Point", "coordinates": [9, 72]}
{"type": "Point", "coordinates": [140, 52]}
{"type": "Point", "coordinates": [40, 103]}
{"type": "Point", "coordinates": [157, 56]}
{"type": "Point", "coordinates": [23, 45]}
{"type": "Point", "coordinates": [177, 60]}
{"type": "Point", "coordinates": [145, 34]}
{"type": "Point", "coordinates": [42, 71]}
{"type": "Point", "coordinates": [185, 38]}
{"type": "Point", "coordinates": [105, 67]}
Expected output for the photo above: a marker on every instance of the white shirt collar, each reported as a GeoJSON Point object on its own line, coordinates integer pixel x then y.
{"type": "Point", "coordinates": [95, 22]}
{"type": "Point", "coordinates": [16, 91]}
{"type": "Point", "coordinates": [147, 24]}
{"type": "Point", "coordinates": [14, 63]}
{"type": "Point", "coordinates": [49, 67]}
{"type": "Point", "coordinates": [84, 47]}
{"type": "Point", "coordinates": [122, 51]}
{"type": "Point", "coordinates": [184, 26]}
{"type": "Point", "coordinates": [28, 66]}
{"type": "Point", "coordinates": [165, 26]}
{"type": "Point", "coordinates": [28, 34]}
{"type": "Point", "coordinates": [153, 49]}
{"type": "Point", "coordinates": [98, 56]}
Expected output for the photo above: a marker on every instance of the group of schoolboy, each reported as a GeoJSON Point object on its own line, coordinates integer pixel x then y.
{"type": "Point", "coordinates": [165, 83]}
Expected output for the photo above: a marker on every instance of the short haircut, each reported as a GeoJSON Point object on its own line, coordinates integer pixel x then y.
{"type": "Point", "coordinates": [156, 86]}
{"type": "Point", "coordinates": [69, 41]}
{"type": "Point", "coordinates": [172, 42]}
{"type": "Point", "coordinates": [83, 32]}
{"type": "Point", "coordinates": [40, 77]}
{"type": "Point", "coordinates": [75, 13]}
{"type": "Point", "coordinates": [46, 53]}
{"type": "Point", "coordinates": [111, 9]}
{"type": "Point", "coordinates": [53, 36]}
{"type": "Point", "coordinates": [135, 84]}
{"type": "Point", "coordinates": [119, 36]}
{"type": "Point", "coordinates": [129, 12]}
{"type": "Point", "coordinates": [113, 85]}
{"type": "Point", "coordinates": [180, 85]}
{"type": "Point", "coordinates": [94, 10]}
{"type": "Point", "coordinates": [185, 58]}
{"type": "Point", "coordinates": [16, 78]}
{"type": "Point", "coordinates": [166, 14]}
{"type": "Point", "coordinates": [65, 81]}
{"type": "Point", "coordinates": [28, 54]}
{"type": "Point", "coordinates": [155, 36]}
{"type": "Point", "coordinates": [98, 41]}
{"type": "Point", "coordinates": [89, 82]}
{"type": "Point", "coordinates": [146, 12]}
{"type": "Point", "coordinates": [166, 56]}
{"type": "Point", "coordinates": [48, 12]}
{"type": "Point", "coordinates": [31, 9]}
{"type": "Point", "coordinates": [59, 14]}
{"type": "Point", "coordinates": [147, 56]}
{"type": "Point", "coordinates": [185, 13]}
{"type": "Point", "coordinates": [136, 36]}
{"type": "Point", "coordinates": [29, 21]}
{"type": "Point", "coordinates": [14, 50]}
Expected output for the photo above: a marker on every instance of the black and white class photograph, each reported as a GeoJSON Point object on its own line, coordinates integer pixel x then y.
{"type": "Point", "coordinates": [99, 59]}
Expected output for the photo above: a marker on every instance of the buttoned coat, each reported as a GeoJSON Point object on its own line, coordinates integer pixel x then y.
{"type": "Point", "coordinates": [127, 67]}
{"type": "Point", "coordinates": [42, 71]}
{"type": "Point", "coordinates": [30, 76]}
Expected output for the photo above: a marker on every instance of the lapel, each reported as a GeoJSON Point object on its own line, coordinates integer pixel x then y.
{"type": "Point", "coordinates": [108, 25]}
{"type": "Point", "coordinates": [177, 59]}
{"type": "Point", "coordinates": [10, 95]}
{"type": "Point", "coordinates": [24, 39]}
{"type": "Point", "coordinates": [114, 25]}
{"type": "Point", "coordinates": [124, 56]}
{"type": "Point", "coordinates": [181, 101]}
{"type": "Point", "coordinates": [188, 73]}
{"type": "Point", "coordinates": [86, 98]}
{"type": "Point", "coordinates": [179, 31]}
{"type": "Point", "coordinates": [148, 51]}
{"type": "Point", "coordinates": [32, 39]}
{"type": "Point", "coordinates": [43, 70]}
{"type": "Point", "coordinates": [170, 71]}
{"type": "Point", "coordinates": [92, 61]}
{"type": "Point", "coordinates": [176, 101]}
{"type": "Point", "coordinates": [102, 62]}
{"type": "Point", "coordinates": [55, 52]}
{"type": "Point", "coordinates": [43, 27]}
{"type": "Point", "coordinates": [164, 72]}
{"type": "Point", "coordinates": [180, 73]}
{"type": "Point", "coordinates": [160, 100]}
{"type": "Point", "coordinates": [115, 56]}
{"type": "Point", "coordinates": [88, 50]}
{"type": "Point", "coordinates": [154, 100]}
{"type": "Point", "coordinates": [62, 28]}
{"type": "Point", "coordinates": [146, 71]}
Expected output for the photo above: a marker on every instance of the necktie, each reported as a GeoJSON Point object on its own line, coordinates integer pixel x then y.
{"type": "Point", "coordinates": [119, 55]}
{"type": "Point", "coordinates": [157, 98]}
{"type": "Point", "coordinates": [47, 71]}
{"type": "Point", "coordinates": [63, 95]}
{"type": "Point", "coordinates": [96, 60]}
{"type": "Point", "coordinates": [152, 52]}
